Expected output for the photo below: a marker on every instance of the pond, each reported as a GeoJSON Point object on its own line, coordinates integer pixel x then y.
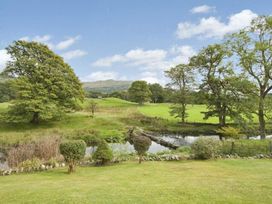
{"type": "Point", "coordinates": [154, 148]}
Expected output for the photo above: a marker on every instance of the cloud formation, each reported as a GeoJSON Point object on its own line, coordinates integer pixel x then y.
{"type": "Point", "coordinates": [212, 27]}
{"type": "Point", "coordinates": [203, 9]}
{"type": "Point", "coordinates": [66, 43]}
{"type": "Point", "coordinates": [73, 54]}
{"type": "Point", "coordinates": [100, 76]}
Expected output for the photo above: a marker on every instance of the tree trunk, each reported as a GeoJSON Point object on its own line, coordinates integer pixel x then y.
{"type": "Point", "coordinates": [261, 117]}
{"type": "Point", "coordinates": [71, 168]}
{"type": "Point", "coordinates": [140, 159]}
{"type": "Point", "coordinates": [35, 118]}
{"type": "Point", "coordinates": [183, 113]}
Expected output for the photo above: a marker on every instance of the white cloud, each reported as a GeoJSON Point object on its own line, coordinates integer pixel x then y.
{"type": "Point", "coordinates": [213, 27]}
{"type": "Point", "coordinates": [4, 58]}
{"type": "Point", "coordinates": [149, 60]}
{"type": "Point", "coordinates": [203, 9]}
{"type": "Point", "coordinates": [136, 57]}
{"type": "Point", "coordinates": [67, 43]}
{"type": "Point", "coordinates": [47, 39]}
{"type": "Point", "coordinates": [97, 76]}
{"type": "Point", "coordinates": [73, 54]}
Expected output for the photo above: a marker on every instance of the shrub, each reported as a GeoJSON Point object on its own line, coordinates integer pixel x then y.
{"type": "Point", "coordinates": [206, 148]}
{"type": "Point", "coordinates": [247, 148]}
{"type": "Point", "coordinates": [17, 155]}
{"type": "Point", "coordinates": [43, 148]}
{"type": "Point", "coordinates": [31, 165]}
{"type": "Point", "coordinates": [184, 149]}
{"type": "Point", "coordinates": [47, 147]}
{"type": "Point", "coordinates": [230, 133]}
{"type": "Point", "coordinates": [91, 140]}
{"type": "Point", "coordinates": [141, 145]}
{"type": "Point", "coordinates": [103, 153]}
{"type": "Point", "coordinates": [73, 151]}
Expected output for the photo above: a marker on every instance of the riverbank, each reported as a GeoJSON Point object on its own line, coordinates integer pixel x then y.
{"type": "Point", "coordinates": [222, 181]}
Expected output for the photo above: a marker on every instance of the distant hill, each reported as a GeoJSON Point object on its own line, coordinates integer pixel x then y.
{"type": "Point", "coordinates": [107, 86]}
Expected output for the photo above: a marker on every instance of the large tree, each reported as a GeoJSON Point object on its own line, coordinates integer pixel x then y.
{"type": "Point", "coordinates": [225, 91]}
{"type": "Point", "coordinates": [139, 92]}
{"type": "Point", "coordinates": [253, 46]}
{"type": "Point", "coordinates": [181, 79]}
{"type": "Point", "coordinates": [45, 85]}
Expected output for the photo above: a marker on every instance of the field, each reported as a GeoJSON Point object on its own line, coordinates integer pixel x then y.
{"type": "Point", "coordinates": [222, 181]}
{"type": "Point", "coordinates": [113, 117]}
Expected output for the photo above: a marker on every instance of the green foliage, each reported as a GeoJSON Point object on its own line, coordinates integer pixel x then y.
{"type": "Point", "coordinates": [103, 153]}
{"type": "Point", "coordinates": [226, 93]}
{"type": "Point", "coordinates": [139, 92]}
{"type": "Point", "coordinates": [73, 151]}
{"type": "Point", "coordinates": [230, 132]}
{"type": "Point", "coordinates": [252, 47]}
{"type": "Point", "coordinates": [92, 140]}
{"type": "Point", "coordinates": [247, 148]}
{"type": "Point", "coordinates": [141, 145]}
{"type": "Point", "coordinates": [206, 148]}
{"type": "Point", "coordinates": [157, 93]}
{"type": "Point", "coordinates": [45, 85]}
{"type": "Point", "coordinates": [182, 80]}
{"type": "Point", "coordinates": [30, 165]}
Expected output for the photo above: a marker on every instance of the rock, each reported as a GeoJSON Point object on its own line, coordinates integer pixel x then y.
{"type": "Point", "coordinates": [42, 167]}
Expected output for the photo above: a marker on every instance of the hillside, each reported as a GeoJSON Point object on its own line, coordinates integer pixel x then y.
{"type": "Point", "coordinates": [107, 86]}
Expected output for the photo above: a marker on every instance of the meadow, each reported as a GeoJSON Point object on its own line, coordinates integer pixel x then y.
{"type": "Point", "coordinates": [222, 181]}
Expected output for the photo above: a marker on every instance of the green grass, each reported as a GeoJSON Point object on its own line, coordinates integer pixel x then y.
{"type": "Point", "coordinates": [162, 110]}
{"type": "Point", "coordinates": [222, 181]}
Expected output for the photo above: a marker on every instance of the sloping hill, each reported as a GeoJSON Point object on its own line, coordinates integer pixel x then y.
{"type": "Point", "coordinates": [107, 86]}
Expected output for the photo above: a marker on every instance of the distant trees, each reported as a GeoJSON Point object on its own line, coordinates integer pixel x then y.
{"type": "Point", "coordinates": [92, 107]}
{"type": "Point", "coordinates": [253, 46]}
{"type": "Point", "coordinates": [157, 93]}
{"type": "Point", "coordinates": [45, 85]}
{"type": "Point", "coordinates": [181, 78]}
{"type": "Point", "coordinates": [139, 92]}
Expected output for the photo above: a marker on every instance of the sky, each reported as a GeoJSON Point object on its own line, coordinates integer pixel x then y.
{"type": "Point", "coordinates": [124, 39]}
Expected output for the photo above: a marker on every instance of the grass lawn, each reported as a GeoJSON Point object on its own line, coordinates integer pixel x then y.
{"type": "Point", "coordinates": [162, 110]}
{"type": "Point", "coordinates": [222, 181]}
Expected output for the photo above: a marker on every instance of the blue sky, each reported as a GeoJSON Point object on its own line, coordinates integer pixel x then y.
{"type": "Point", "coordinates": [124, 39]}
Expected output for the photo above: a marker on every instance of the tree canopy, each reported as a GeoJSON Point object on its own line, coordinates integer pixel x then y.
{"type": "Point", "coordinates": [45, 86]}
{"type": "Point", "coordinates": [139, 92]}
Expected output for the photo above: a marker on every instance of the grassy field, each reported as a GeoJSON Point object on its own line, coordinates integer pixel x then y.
{"type": "Point", "coordinates": [222, 181]}
{"type": "Point", "coordinates": [162, 110]}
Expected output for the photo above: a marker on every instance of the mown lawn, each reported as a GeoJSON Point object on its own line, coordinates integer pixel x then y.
{"type": "Point", "coordinates": [222, 181]}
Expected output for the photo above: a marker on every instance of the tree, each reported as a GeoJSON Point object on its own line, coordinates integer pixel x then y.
{"type": "Point", "coordinates": [103, 154]}
{"type": "Point", "coordinates": [141, 145]}
{"type": "Point", "coordinates": [182, 79]}
{"type": "Point", "coordinates": [157, 93]}
{"type": "Point", "coordinates": [92, 107]}
{"type": "Point", "coordinates": [73, 151]}
{"type": "Point", "coordinates": [46, 87]}
{"type": "Point", "coordinates": [253, 46]}
{"type": "Point", "coordinates": [226, 93]}
{"type": "Point", "coordinates": [139, 92]}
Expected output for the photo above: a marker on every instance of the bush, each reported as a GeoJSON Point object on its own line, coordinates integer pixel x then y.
{"type": "Point", "coordinates": [247, 148]}
{"type": "Point", "coordinates": [141, 145]}
{"type": "Point", "coordinates": [230, 133]}
{"type": "Point", "coordinates": [73, 151]}
{"type": "Point", "coordinates": [103, 153]}
{"type": "Point", "coordinates": [206, 148]}
{"type": "Point", "coordinates": [91, 140]}
{"type": "Point", "coordinates": [17, 155]}
{"type": "Point", "coordinates": [43, 149]}
{"type": "Point", "coordinates": [30, 165]}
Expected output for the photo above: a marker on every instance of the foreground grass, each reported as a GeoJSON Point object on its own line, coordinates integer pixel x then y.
{"type": "Point", "coordinates": [222, 181]}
